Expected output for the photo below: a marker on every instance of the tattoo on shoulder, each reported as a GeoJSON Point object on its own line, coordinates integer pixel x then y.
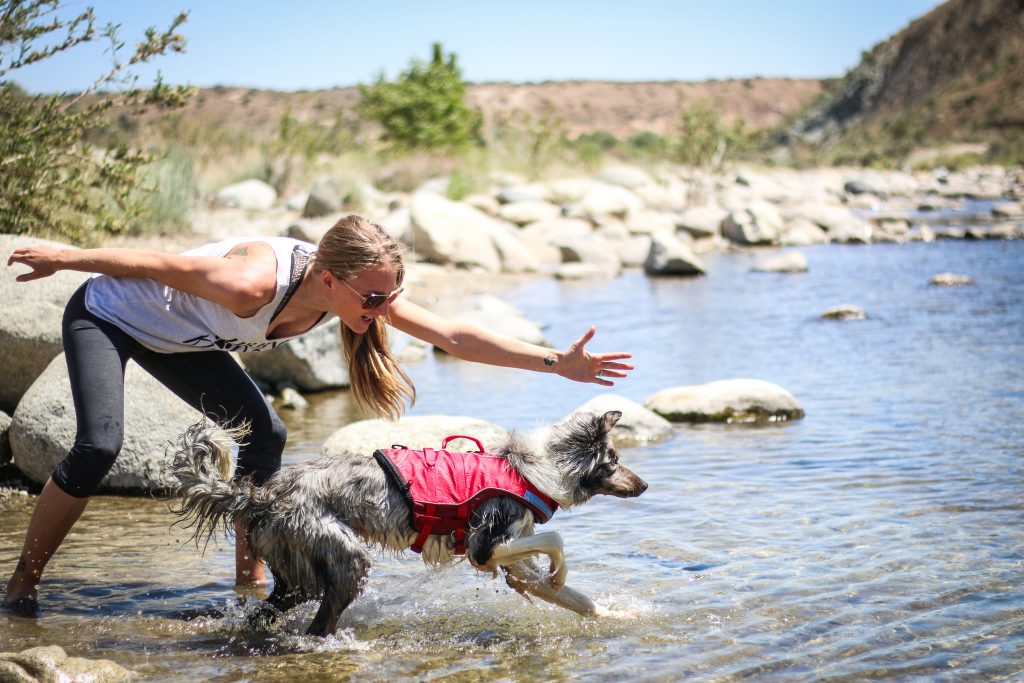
{"type": "Point", "coordinates": [549, 361]}
{"type": "Point", "coordinates": [240, 251]}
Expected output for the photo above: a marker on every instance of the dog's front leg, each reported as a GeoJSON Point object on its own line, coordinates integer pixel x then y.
{"type": "Point", "coordinates": [528, 579]}
{"type": "Point", "coordinates": [519, 549]}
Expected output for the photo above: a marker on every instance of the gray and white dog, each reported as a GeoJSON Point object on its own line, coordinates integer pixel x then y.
{"type": "Point", "coordinates": [312, 523]}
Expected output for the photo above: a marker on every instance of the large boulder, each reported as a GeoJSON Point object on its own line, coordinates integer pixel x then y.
{"type": "Point", "coordinates": [325, 197]}
{"type": "Point", "coordinates": [603, 199]}
{"type": "Point", "coordinates": [43, 429]}
{"type": "Point", "coordinates": [669, 255]}
{"type": "Point", "coordinates": [731, 400]}
{"type": "Point", "coordinates": [5, 442]}
{"type": "Point", "coordinates": [702, 221]}
{"type": "Point", "coordinates": [30, 327]}
{"type": "Point", "coordinates": [592, 250]}
{"type": "Point", "coordinates": [629, 177]}
{"type": "Point", "coordinates": [516, 256]}
{"type": "Point", "coordinates": [312, 362]}
{"type": "Point", "coordinates": [495, 315]}
{"type": "Point", "coordinates": [638, 425]}
{"type": "Point", "coordinates": [802, 232]}
{"type": "Point", "coordinates": [425, 431]}
{"type": "Point", "coordinates": [522, 213]}
{"type": "Point", "coordinates": [49, 664]}
{"type": "Point", "coordinates": [759, 223]}
{"type": "Point", "coordinates": [448, 232]}
{"type": "Point", "coordinates": [251, 195]}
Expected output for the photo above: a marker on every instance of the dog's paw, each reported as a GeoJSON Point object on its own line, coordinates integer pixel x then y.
{"type": "Point", "coordinates": [558, 573]}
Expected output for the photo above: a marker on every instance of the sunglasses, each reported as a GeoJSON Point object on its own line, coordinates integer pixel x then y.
{"type": "Point", "coordinates": [374, 299]}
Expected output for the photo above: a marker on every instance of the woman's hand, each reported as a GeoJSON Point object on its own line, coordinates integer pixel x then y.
{"type": "Point", "coordinates": [44, 261]}
{"type": "Point", "coordinates": [577, 364]}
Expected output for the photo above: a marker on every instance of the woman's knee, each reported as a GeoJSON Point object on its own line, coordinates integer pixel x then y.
{"type": "Point", "coordinates": [82, 470]}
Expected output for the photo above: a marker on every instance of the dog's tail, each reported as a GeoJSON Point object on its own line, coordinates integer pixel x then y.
{"type": "Point", "coordinates": [203, 462]}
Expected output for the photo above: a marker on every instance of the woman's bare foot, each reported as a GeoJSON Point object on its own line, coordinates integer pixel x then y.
{"type": "Point", "coordinates": [21, 597]}
{"type": "Point", "coordinates": [25, 606]}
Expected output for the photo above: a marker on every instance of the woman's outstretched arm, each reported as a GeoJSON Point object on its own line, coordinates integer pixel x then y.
{"type": "Point", "coordinates": [473, 343]}
{"type": "Point", "coordinates": [242, 282]}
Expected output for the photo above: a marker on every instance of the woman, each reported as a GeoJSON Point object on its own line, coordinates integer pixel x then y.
{"type": "Point", "coordinates": [179, 315]}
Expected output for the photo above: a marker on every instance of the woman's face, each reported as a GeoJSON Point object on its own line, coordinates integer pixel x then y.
{"type": "Point", "coordinates": [349, 296]}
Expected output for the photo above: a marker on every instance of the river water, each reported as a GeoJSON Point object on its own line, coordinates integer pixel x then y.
{"type": "Point", "coordinates": [879, 538]}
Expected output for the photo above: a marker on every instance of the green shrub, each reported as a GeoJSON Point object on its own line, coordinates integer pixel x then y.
{"type": "Point", "coordinates": [52, 181]}
{"type": "Point", "coordinates": [424, 108]}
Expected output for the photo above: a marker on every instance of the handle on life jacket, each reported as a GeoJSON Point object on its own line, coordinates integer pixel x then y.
{"type": "Point", "coordinates": [480, 446]}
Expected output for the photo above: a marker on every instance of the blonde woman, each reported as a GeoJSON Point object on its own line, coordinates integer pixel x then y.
{"type": "Point", "coordinates": [179, 315]}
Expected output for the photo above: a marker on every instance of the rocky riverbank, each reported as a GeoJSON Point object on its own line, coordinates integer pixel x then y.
{"type": "Point", "coordinates": [463, 252]}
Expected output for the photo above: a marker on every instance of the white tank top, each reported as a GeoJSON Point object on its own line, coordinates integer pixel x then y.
{"type": "Point", "coordinates": [168, 320]}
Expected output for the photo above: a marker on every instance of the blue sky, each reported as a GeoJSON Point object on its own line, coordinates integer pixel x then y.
{"type": "Point", "coordinates": [322, 44]}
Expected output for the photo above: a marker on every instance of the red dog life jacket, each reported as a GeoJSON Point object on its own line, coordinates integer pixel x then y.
{"type": "Point", "coordinates": [443, 488]}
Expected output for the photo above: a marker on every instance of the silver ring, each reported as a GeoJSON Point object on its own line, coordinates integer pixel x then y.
{"type": "Point", "coordinates": [600, 373]}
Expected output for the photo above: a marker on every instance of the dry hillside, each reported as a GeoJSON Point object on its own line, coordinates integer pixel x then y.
{"type": "Point", "coordinates": [579, 106]}
{"type": "Point", "coordinates": [955, 73]}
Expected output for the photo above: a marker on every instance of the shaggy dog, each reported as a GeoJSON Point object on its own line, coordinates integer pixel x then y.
{"type": "Point", "coordinates": [311, 523]}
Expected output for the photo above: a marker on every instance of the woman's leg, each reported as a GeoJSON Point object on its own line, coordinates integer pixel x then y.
{"type": "Point", "coordinates": [214, 384]}
{"type": "Point", "coordinates": [96, 356]}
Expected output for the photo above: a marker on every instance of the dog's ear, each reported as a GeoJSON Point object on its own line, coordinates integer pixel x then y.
{"type": "Point", "coordinates": [608, 420]}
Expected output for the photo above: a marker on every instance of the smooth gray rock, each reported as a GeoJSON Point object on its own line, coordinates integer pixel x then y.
{"type": "Point", "coordinates": [702, 221]}
{"type": "Point", "coordinates": [325, 197]}
{"type": "Point", "coordinates": [637, 426]}
{"type": "Point", "coordinates": [758, 224]}
{"type": "Point", "coordinates": [43, 429]}
{"type": "Point", "coordinates": [312, 362]}
{"type": "Point", "coordinates": [425, 431]}
{"type": "Point", "coordinates": [50, 664]}
{"type": "Point", "coordinates": [668, 255]}
{"type": "Point", "coordinates": [628, 177]}
{"type": "Point", "coordinates": [732, 400]}
{"type": "Point", "coordinates": [30, 327]}
{"type": "Point", "coordinates": [5, 441]}
{"type": "Point", "coordinates": [522, 213]}
{"type": "Point", "coordinates": [801, 232]}
{"type": "Point", "coordinates": [448, 232]}
{"type": "Point", "coordinates": [251, 195]}
{"type": "Point", "coordinates": [590, 249]}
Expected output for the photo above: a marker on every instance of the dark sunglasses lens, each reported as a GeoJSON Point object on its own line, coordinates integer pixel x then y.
{"type": "Point", "coordinates": [374, 300]}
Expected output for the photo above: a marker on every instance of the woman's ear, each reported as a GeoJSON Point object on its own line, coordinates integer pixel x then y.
{"type": "Point", "coordinates": [327, 279]}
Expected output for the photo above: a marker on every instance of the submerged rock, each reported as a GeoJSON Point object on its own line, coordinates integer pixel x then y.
{"type": "Point", "coordinates": [951, 280]}
{"type": "Point", "coordinates": [845, 312]}
{"type": "Point", "coordinates": [50, 663]}
{"type": "Point", "coordinates": [732, 400]}
{"type": "Point", "coordinates": [788, 262]}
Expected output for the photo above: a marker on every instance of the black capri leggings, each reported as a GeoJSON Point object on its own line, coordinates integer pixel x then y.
{"type": "Point", "coordinates": [209, 381]}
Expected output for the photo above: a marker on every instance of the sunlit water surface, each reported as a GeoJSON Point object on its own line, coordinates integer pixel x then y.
{"type": "Point", "coordinates": [879, 538]}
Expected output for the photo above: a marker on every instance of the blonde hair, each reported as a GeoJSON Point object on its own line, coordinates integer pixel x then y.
{"type": "Point", "coordinates": [379, 384]}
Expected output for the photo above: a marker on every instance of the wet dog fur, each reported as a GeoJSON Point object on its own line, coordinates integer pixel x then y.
{"type": "Point", "coordinates": [314, 524]}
